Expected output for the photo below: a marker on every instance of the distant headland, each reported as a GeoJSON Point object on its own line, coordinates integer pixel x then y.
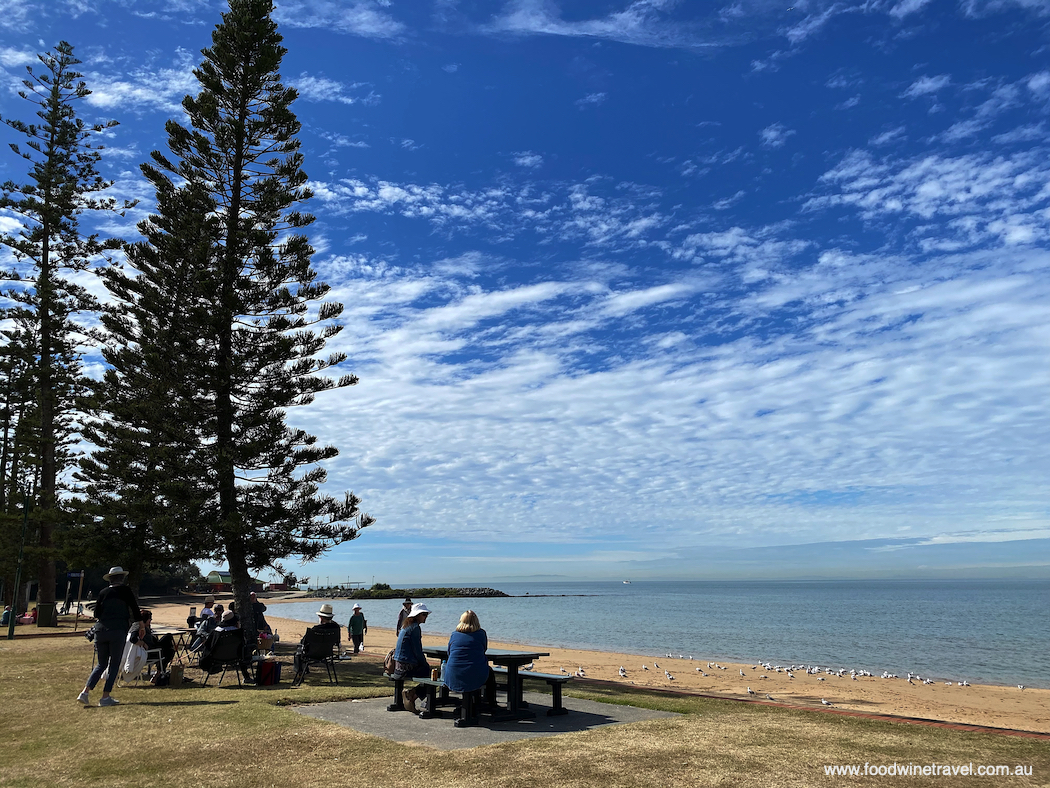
{"type": "Point", "coordinates": [383, 591]}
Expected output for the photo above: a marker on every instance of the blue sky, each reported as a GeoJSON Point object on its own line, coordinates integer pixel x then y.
{"type": "Point", "coordinates": [631, 285]}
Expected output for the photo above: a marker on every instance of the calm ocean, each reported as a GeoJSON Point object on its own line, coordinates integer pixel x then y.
{"type": "Point", "coordinates": [993, 632]}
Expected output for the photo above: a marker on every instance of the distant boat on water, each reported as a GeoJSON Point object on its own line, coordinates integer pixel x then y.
{"type": "Point", "coordinates": [626, 582]}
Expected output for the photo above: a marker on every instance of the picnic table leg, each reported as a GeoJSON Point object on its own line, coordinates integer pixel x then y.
{"type": "Point", "coordinates": [556, 707]}
{"type": "Point", "coordinates": [514, 699]}
{"type": "Point", "coordinates": [399, 703]}
{"type": "Point", "coordinates": [431, 703]}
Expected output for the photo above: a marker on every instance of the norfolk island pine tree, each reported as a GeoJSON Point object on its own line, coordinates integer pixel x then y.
{"type": "Point", "coordinates": [63, 184]}
{"type": "Point", "coordinates": [259, 337]}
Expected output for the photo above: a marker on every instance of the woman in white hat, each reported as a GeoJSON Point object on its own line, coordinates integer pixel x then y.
{"type": "Point", "coordinates": [114, 612]}
{"type": "Point", "coordinates": [410, 661]}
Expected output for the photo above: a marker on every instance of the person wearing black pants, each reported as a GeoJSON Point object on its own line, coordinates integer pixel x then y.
{"type": "Point", "coordinates": [115, 610]}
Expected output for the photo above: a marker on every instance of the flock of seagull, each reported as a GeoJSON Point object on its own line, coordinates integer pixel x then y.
{"type": "Point", "coordinates": [812, 670]}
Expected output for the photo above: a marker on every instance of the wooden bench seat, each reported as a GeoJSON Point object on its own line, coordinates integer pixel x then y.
{"type": "Point", "coordinates": [555, 680]}
{"type": "Point", "coordinates": [437, 693]}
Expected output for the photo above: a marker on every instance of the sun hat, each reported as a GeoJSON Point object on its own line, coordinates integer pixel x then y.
{"type": "Point", "coordinates": [357, 607]}
{"type": "Point", "coordinates": [229, 615]}
{"type": "Point", "coordinates": [418, 609]}
{"type": "Point", "coordinates": [408, 601]}
{"type": "Point", "coordinates": [326, 610]}
{"type": "Point", "coordinates": [114, 572]}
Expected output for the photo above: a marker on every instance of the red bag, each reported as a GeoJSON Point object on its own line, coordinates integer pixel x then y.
{"type": "Point", "coordinates": [269, 672]}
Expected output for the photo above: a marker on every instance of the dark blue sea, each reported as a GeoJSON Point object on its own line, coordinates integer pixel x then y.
{"type": "Point", "coordinates": [992, 632]}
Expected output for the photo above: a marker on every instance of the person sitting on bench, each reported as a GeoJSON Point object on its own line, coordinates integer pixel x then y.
{"type": "Point", "coordinates": [409, 659]}
{"type": "Point", "coordinates": [467, 669]}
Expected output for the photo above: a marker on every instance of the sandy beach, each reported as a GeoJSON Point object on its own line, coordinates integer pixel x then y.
{"type": "Point", "coordinates": [989, 705]}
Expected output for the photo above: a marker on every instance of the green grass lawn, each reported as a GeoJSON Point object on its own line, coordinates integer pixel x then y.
{"type": "Point", "coordinates": [247, 737]}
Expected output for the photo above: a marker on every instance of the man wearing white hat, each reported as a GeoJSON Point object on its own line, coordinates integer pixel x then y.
{"type": "Point", "coordinates": [357, 628]}
{"type": "Point", "coordinates": [114, 612]}
{"type": "Point", "coordinates": [325, 623]}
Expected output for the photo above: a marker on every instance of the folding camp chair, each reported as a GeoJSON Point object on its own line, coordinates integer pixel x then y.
{"type": "Point", "coordinates": [227, 651]}
{"type": "Point", "coordinates": [319, 647]}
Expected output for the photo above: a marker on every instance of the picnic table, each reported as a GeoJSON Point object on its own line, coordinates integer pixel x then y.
{"type": "Point", "coordinates": [512, 660]}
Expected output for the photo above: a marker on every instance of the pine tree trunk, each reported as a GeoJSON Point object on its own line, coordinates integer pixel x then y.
{"type": "Point", "coordinates": [48, 471]}
{"type": "Point", "coordinates": [242, 587]}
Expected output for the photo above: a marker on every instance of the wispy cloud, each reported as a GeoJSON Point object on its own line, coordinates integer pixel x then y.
{"type": "Point", "coordinates": [775, 135]}
{"type": "Point", "coordinates": [316, 88]}
{"type": "Point", "coordinates": [366, 18]}
{"type": "Point", "coordinates": [908, 7]}
{"type": "Point", "coordinates": [591, 100]}
{"type": "Point", "coordinates": [643, 22]}
{"type": "Point", "coordinates": [528, 159]}
{"type": "Point", "coordinates": [145, 87]}
{"type": "Point", "coordinates": [924, 86]}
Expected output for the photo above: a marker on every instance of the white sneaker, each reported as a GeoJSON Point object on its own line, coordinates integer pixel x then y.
{"type": "Point", "coordinates": [109, 702]}
{"type": "Point", "coordinates": [83, 698]}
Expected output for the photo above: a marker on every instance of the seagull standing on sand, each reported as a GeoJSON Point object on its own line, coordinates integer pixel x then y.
{"type": "Point", "coordinates": [623, 673]}
{"type": "Point", "coordinates": [825, 702]}
{"type": "Point", "coordinates": [741, 673]}
{"type": "Point", "coordinates": [769, 696]}
{"type": "Point", "coordinates": [1020, 687]}
{"type": "Point", "coordinates": [669, 676]}
{"type": "Point", "coordinates": [644, 667]}
{"type": "Point", "coordinates": [751, 691]}
{"type": "Point", "coordinates": [528, 667]}
{"type": "Point", "coordinates": [655, 665]}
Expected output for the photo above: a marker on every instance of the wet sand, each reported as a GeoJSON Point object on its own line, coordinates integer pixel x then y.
{"type": "Point", "coordinates": [989, 705]}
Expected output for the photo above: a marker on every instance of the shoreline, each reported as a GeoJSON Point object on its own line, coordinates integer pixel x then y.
{"type": "Point", "coordinates": [987, 705]}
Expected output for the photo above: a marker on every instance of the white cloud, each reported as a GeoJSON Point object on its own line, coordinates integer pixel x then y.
{"type": "Point", "coordinates": [963, 201]}
{"type": "Point", "coordinates": [775, 135]}
{"type": "Point", "coordinates": [12, 58]}
{"type": "Point", "coordinates": [528, 159]}
{"type": "Point", "coordinates": [362, 18]}
{"type": "Point", "coordinates": [883, 384]}
{"type": "Point", "coordinates": [888, 137]}
{"type": "Point", "coordinates": [924, 86]}
{"type": "Point", "coordinates": [342, 141]}
{"type": "Point", "coordinates": [591, 100]}
{"type": "Point", "coordinates": [908, 7]}
{"type": "Point", "coordinates": [14, 15]}
{"type": "Point", "coordinates": [1039, 84]}
{"type": "Point", "coordinates": [642, 22]}
{"type": "Point", "coordinates": [313, 88]}
{"type": "Point", "coordinates": [814, 22]}
{"type": "Point", "coordinates": [145, 87]}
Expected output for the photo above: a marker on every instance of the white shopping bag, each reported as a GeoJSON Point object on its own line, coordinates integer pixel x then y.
{"type": "Point", "coordinates": [134, 659]}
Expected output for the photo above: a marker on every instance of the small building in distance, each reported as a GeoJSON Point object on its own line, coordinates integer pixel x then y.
{"type": "Point", "coordinates": [219, 582]}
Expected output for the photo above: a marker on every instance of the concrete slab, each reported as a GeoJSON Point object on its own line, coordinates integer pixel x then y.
{"type": "Point", "coordinates": [370, 716]}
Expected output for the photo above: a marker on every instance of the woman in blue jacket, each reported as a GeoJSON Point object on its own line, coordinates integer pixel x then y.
{"type": "Point", "coordinates": [409, 659]}
{"type": "Point", "coordinates": [467, 669]}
